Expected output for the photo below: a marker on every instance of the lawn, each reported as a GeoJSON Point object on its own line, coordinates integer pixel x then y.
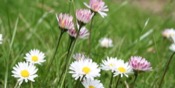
{"type": "Point", "coordinates": [32, 24]}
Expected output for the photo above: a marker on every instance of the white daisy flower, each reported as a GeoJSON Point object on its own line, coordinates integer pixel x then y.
{"type": "Point", "coordinates": [109, 64]}
{"type": "Point", "coordinates": [168, 32]}
{"type": "Point", "coordinates": [35, 56]}
{"type": "Point", "coordinates": [106, 42]}
{"type": "Point", "coordinates": [122, 68]}
{"type": "Point", "coordinates": [88, 83]}
{"type": "Point", "coordinates": [84, 68]}
{"type": "Point", "coordinates": [1, 39]}
{"type": "Point", "coordinates": [24, 71]}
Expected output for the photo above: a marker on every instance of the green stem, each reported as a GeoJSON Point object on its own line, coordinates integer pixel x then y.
{"type": "Point", "coordinates": [90, 34]}
{"type": "Point", "coordinates": [110, 84]}
{"type": "Point", "coordinates": [16, 85]}
{"type": "Point", "coordinates": [166, 69]}
{"type": "Point", "coordinates": [56, 49]}
{"type": "Point", "coordinates": [65, 66]}
{"type": "Point", "coordinates": [118, 81]}
{"type": "Point", "coordinates": [136, 76]}
{"type": "Point", "coordinates": [77, 83]}
{"type": "Point", "coordinates": [69, 60]}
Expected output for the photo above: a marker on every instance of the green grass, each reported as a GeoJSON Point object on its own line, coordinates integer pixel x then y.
{"type": "Point", "coordinates": [29, 24]}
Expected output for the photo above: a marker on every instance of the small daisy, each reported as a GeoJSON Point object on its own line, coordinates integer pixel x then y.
{"type": "Point", "coordinates": [24, 71]}
{"type": "Point", "coordinates": [88, 83]}
{"type": "Point", "coordinates": [84, 68]}
{"type": "Point", "coordinates": [122, 68]}
{"type": "Point", "coordinates": [79, 56]}
{"type": "Point", "coordinates": [98, 6]}
{"type": "Point", "coordinates": [1, 39]}
{"type": "Point", "coordinates": [84, 15]}
{"type": "Point", "coordinates": [106, 42]}
{"type": "Point", "coordinates": [83, 34]}
{"type": "Point", "coordinates": [65, 21]}
{"type": "Point", "coordinates": [109, 64]}
{"type": "Point", "coordinates": [140, 64]}
{"type": "Point", "coordinates": [168, 33]}
{"type": "Point", "coordinates": [35, 56]}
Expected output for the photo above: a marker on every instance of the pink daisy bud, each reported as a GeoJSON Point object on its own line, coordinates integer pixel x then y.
{"type": "Point", "coordinates": [98, 6]}
{"type": "Point", "coordinates": [83, 34]}
{"type": "Point", "coordinates": [65, 21]}
{"type": "Point", "coordinates": [140, 64]}
{"type": "Point", "coordinates": [84, 15]}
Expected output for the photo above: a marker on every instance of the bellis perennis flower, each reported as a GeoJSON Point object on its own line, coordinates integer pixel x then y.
{"type": "Point", "coordinates": [168, 33]}
{"type": "Point", "coordinates": [1, 39]}
{"type": "Point", "coordinates": [35, 57]}
{"type": "Point", "coordinates": [84, 68]}
{"type": "Point", "coordinates": [140, 64]}
{"type": "Point", "coordinates": [80, 56]}
{"type": "Point", "coordinates": [88, 83]}
{"type": "Point", "coordinates": [83, 34]}
{"type": "Point", "coordinates": [122, 68]}
{"type": "Point", "coordinates": [65, 21]}
{"type": "Point", "coordinates": [24, 71]}
{"type": "Point", "coordinates": [106, 42]}
{"type": "Point", "coordinates": [98, 6]}
{"type": "Point", "coordinates": [84, 15]}
{"type": "Point", "coordinates": [109, 64]}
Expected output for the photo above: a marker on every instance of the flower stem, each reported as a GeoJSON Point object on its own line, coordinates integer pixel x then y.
{"type": "Point", "coordinates": [69, 60]}
{"type": "Point", "coordinates": [56, 49]}
{"type": "Point", "coordinates": [166, 69]}
{"type": "Point", "coordinates": [64, 67]}
{"type": "Point", "coordinates": [117, 82]}
{"type": "Point", "coordinates": [136, 76]}
{"type": "Point", "coordinates": [16, 85]}
{"type": "Point", "coordinates": [110, 84]}
{"type": "Point", "coordinates": [90, 34]}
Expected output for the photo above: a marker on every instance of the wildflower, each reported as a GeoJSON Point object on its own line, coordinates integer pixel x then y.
{"type": "Point", "coordinates": [122, 68]}
{"type": "Point", "coordinates": [98, 6]}
{"type": "Point", "coordinates": [24, 71]}
{"type": "Point", "coordinates": [109, 64]}
{"type": "Point", "coordinates": [84, 69]}
{"type": "Point", "coordinates": [83, 34]}
{"type": "Point", "coordinates": [168, 32]}
{"type": "Point", "coordinates": [1, 39]}
{"type": "Point", "coordinates": [139, 64]}
{"type": "Point", "coordinates": [79, 56]}
{"type": "Point", "coordinates": [106, 42]}
{"type": "Point", "coordinates": [88, 83]}
{"type": "Point", "coordinates": [65, 21]}
{"type": "Point", "coordinates": [35, 56]}
{"type": "Point", "coordinates": [84, 15]}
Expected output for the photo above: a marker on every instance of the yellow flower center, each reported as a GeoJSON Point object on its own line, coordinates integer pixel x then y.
{"type": "Point", "coordinates": [63, 23]}
{"type": "Point", "coordinates": [91, 86]}
{"type": "Point", "coordinates": [25, 73]}
{"type": "Point", "coordinates": [86, 70]}
{"type": "Point", "coordinates": [122, 69]}
{"type": "Point", "coordinates": [111, 65]}
{"type": "Point", "coordinates": [34, 58]}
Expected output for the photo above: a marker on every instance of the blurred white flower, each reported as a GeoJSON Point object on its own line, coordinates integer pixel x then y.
{"type": "Point", "coordinates": [24, 71]}
{"type": "Point", "coordinates": [84, 68]}
{"type": "Point", "coordinates": [109, 64]}
{"type": "Point", "coordinates": [98, 6]}
{"type": "Point", "coordinates": [1, 39]}
{"type": "Point", "coordinates": [168, 33]}
{"type": "Point", "coordinates": [83, 34]}
{"type": "Point", "coordinates": [122, 68]}
{"type": "Point", "coordinates": [88, 83]}
{"type": "Point", "coordinates": [80, 56]}
{"type": "Point", "coordinates": [106, 42]}
{"type": "Point", "coordinates": [35, 56]}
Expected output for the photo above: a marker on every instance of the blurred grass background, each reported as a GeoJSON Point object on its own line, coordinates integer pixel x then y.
{"type": "Point", "coordinates": [29, 24]}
